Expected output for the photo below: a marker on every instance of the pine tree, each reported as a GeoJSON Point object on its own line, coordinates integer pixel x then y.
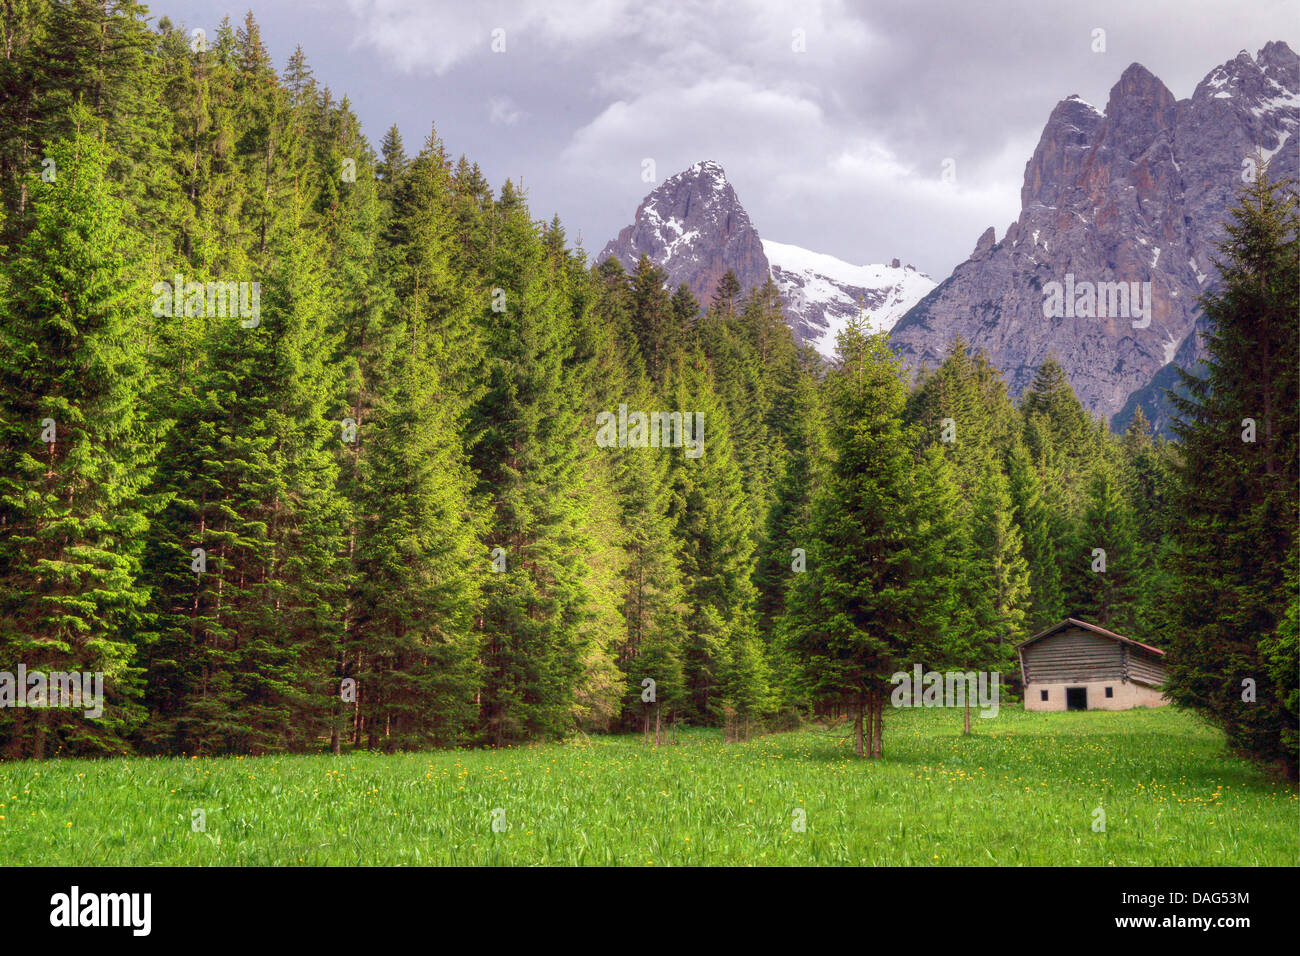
{"type": "Point", "coordinates": [686, 310]}
{"type": "Point", "coordinates": [654, 609]}
{"type": "Point", "coordinates": [419, 561]}
{"type": "Point", "coordinates": [952, 583]}
{"type": "Point", "coordinates": [102, 56]}
{"type": "Point", "coordinates": [1146, 486]}
{"type": "Point", "coordinates": [267, 142]}
{"type": "Point", "coordinates": [412, 643]}
{"type": "Point", "coordinates": [472, 205]}
{"type": "Point", "coordinates": [654, 606]}
{"type": "Point", "coordinates": [249, 638]}
{"type": "Point", "coordinates": [788, 518]}
{"type": "Point", "coordinates": [390, 169]}
{"type": "Point", "coordinates": [947, 407]}
{"type": "Point", "coordinates": [593, 380]}
{"type": "Point", "coordinates": [1063, 434]}
{"type": "Point", "coordinates": [23, 29]}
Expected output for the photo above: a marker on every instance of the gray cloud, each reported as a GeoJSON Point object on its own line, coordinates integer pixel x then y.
{"type": "Point", "coordinates": [833, 120]}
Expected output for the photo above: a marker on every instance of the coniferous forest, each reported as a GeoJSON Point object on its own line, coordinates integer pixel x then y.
{"type": "Point", "coordinates": [301, 448]}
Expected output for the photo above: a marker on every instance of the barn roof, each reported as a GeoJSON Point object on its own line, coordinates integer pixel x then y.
{"type": "Point", "coordinates": [1074, 622]}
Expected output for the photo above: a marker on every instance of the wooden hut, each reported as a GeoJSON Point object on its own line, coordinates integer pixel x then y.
{"type": "Point", "coordinates": [1075, 665]}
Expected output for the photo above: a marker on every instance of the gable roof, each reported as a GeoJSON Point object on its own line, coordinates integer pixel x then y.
{"type": "Point", "coordinates": [1074, 622]}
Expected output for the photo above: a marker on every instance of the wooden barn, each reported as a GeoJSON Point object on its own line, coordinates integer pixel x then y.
{"type": "Point", "coordinates": [1075, 665]}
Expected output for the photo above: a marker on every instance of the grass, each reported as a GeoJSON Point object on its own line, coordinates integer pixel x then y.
{"type": "Point", "coordinates": [1022, 789]}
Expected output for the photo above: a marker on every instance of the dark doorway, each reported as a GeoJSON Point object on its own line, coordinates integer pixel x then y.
{"type": "Point", "coordinates": [1076, 698]}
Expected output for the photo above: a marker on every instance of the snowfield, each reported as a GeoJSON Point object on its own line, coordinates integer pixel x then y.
{"type": "Point", "coordinates": [823, 292]}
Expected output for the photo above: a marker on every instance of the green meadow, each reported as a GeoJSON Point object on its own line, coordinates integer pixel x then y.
{"type": "Point", "coordinates": [1023, 789]}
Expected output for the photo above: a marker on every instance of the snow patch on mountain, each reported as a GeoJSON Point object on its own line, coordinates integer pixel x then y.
{"type": "Point", "coordinates": [822, 293]}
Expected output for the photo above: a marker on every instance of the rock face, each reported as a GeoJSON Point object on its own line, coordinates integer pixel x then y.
{"type": "Point", "coordinates": [821, 293]}
{"type": "Point", "coordinates": [1135, 194]}
{"type": "Point", "coordinates": [693, 226]}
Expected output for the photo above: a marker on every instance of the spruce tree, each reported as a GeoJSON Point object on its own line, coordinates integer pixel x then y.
{"type": "Point", "coordinates": [850, 619]}
{"type": "Point", "coordinates": [1230, 611]}
{"type": "Point", "coordinates": [413, 646]}
{"type": "Point", "coordinates": [653, 320]}
{"type": "Point", "coordinates": [530, 454]}
{"type": "Point", "coordinates": [686, 310]}
{"type": "Point", "coordinates": [999, 574]}
{"type": "Point", "coordinates": [713, 520]}
{"type": "Point", "coordinates": [1038, 526]}
{"type": "Point", "coordinates": [77, 448]}
{"type": "Point", "coordinates": [727, 293]}
{"type": "Point", "coordinates": [250, 637]}
{"type": "Point", "coordinates": [1103, 573]}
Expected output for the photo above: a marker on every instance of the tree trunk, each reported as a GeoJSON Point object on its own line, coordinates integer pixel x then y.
{"type": "Point", "coordinates": [38, 739]}
{"type": "Point", "coordinates": [880, 726]}
{"type": "Point", "coordinates": [966, 729]}
{"type": "Point", "coordinates": [17, 731]}
{"type": "Point", "coordinates": [658, 737]}
{"type": "Point", "coordinates": [869, 706]}
{"type": "Point", "coordinates": [857, 728]}
{"type": "Point", "coordinates": [336, 720]}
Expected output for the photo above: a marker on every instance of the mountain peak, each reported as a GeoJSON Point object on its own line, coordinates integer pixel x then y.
{"type": "Point", "coordinates": [1138, 88]}
{"type": "Point", "coordinates": [1073, 101]}
{"type": "Point", "coordinates": [1275, 68]}
{"type": "Point", "coordinates": [693, 225]}
{"type": "Point", "coordinates": [707, 167]}
{"type": "Point", "coordinates": [1278, 57]}
{"type": "Point", "coordinates": [707, 174]}
{"type": "Point", "coordinates": [1136, 196]}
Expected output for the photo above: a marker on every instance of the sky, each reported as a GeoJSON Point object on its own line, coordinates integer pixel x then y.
{"type": "Point", "coordinates": [867, 131]}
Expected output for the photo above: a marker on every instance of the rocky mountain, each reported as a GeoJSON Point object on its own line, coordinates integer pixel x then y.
{"type": "Point", "coordinates": [694, 227]}
{"type": "Point", "coordinates": [821, 293]}
{"type": "Point", "coordinates": [1120, 212]}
